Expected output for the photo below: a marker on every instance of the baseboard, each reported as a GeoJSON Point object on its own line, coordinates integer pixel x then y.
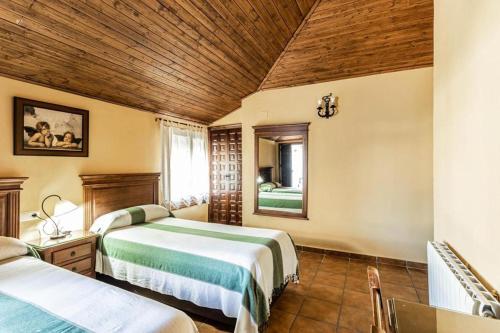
{"type": "Point", "coordinates": [364, 257]}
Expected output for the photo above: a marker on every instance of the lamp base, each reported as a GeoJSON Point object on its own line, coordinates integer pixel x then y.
{"type": "Point", "coordinates": [58, 236]}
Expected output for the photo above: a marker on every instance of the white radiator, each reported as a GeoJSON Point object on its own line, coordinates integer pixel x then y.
{"type": "Point", "coordinates": [453, 286]}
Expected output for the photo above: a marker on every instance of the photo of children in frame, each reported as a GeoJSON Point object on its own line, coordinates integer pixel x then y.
{"type": "Point", "coordinates": [49, 129]}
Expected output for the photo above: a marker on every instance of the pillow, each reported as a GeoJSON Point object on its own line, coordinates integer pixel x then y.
{"type": "Point", "coordinates": [129, 216]}
{"type": "Point", "coordinates": [12, 247]}
{"type": "Point", "coordinates": [267, 187]}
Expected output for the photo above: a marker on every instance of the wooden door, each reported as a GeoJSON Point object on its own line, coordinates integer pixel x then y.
{"type": "Point", "coordinates": [225, 175]}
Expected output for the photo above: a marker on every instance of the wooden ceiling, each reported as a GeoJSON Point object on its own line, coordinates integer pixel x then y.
{"type": "Point", "coordinates": [346, 38]}
{"type": "Point", "coordinates": [196, 59]}
{"type": "Point", "coordinates": [191, 58]}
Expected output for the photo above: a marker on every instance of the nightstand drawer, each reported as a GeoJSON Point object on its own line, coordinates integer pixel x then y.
{"type": "Point", "coordinates": [80, 266]}
{"type": "Point", "coordinates": [71, 253]}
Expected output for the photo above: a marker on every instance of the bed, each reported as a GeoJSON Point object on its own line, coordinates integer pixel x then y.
{"type": "Point", "coordinates": [236, 270]}
{"type": "Point", "coordinates": [36, 296]}
{"type": "Point", "coordinates": [284, 199]}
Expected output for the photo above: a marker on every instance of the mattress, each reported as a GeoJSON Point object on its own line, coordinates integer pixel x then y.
{"type": "Point", "coordinates": [38, 297]}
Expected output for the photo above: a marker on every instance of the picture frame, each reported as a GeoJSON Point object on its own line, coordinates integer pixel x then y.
{"type": "Point", "coordinates": [46, 129]}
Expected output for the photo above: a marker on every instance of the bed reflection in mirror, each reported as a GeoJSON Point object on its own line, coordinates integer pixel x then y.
{"type": "Point", "coordinates": [281, 170]}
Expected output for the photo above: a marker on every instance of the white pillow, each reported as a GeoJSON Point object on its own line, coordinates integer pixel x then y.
{"type": "Point", "coordinates": [129, 216]}
{"type": "Point", "coordinates": [12, 247]}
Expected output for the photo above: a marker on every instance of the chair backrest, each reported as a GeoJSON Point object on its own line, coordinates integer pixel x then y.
{"type": "Point", "coordinates": [378, 318]}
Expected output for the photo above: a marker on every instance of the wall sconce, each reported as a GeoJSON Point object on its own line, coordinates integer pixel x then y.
{"type": "Point", "coordinates": [327, 107]}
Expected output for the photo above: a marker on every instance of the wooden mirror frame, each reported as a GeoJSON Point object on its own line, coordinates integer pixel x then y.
{"type": "Point", "coordinates": [281, 130]}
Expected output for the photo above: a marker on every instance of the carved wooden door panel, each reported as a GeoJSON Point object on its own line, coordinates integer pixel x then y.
{"type": "Point", "coordinates": [225, 176]}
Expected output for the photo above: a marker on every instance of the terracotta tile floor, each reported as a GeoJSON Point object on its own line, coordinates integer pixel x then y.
{"type": "Point", "coordinates": [333, 296]}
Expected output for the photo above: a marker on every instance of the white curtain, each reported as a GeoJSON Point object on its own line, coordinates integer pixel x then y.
{"type": "Point", "coordinates": [184, 169]}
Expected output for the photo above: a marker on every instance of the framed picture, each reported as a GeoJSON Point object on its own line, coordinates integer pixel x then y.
{"type": "Point", "coordinates": [43, 129]}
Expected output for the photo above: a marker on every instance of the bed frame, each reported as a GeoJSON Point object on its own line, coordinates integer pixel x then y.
{"type": "Point", "coordinates": [106, 193]}
{"type": "Point", "coordinates": [10, 189]}
{"type": "Point", "coordinates": [109, 192]}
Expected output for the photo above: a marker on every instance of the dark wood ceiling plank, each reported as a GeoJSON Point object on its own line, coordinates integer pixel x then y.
{"type": "Point", "coordinates": [105, 52]}
{"type": "Point", "coordinates": [22, 65]}
{"type": "Point", "coordinates": [290, 42]}
{"type": "Point", "coordinates": [276, 17]}
{"type": "Point", "coordinates": [347, 38]}
{"type": "Point", "coordinates": [305, 6]}
{"type": "Point", "coordinates": [243, 33]}
{"type": "Point", "coordinates": [230, 12]}
{"type": "Point", "coordinates": [245, 14]}
{"type": "Point", "coordinates": [172, 29]}
{"type": "Point", "coordinates": [290, 12]}
{"type": "Point", "coordinates": [189, 25]}
{"type": "Point", "coordinates": [147, 21]}
{"type": "Point", "coordinates": [272, 28]}
{"type": "Point", "coordinates": [132, 19]}
{"type": "Point", "coordinates": [204, 19]}
{"type": "Point", "coordinates": [97, 79]}
{"type": "Point", "coordinates": [78, 13]}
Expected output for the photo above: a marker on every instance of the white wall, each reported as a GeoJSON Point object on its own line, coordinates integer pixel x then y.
{"type": "Point", "coordinates": [370, 167]}
{"type": "Point", "coordinates": [467, 131]}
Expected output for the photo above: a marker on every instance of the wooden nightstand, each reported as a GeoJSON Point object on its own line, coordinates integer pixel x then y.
{"type": "Point", "coordinates": [75, 252]}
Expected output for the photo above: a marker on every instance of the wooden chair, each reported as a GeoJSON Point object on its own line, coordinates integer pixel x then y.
{"type": "Point", "coordinates": [379, 323]}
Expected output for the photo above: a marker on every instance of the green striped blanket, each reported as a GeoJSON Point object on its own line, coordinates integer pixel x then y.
{"type": "Point", "coordinates": [17, 316]}
{"type": "Point", "coordinates": [234, 269]}
{"type": "Point", "coordinates": [282, 200]}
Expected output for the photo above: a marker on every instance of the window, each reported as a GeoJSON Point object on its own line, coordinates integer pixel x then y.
{"type": "Point", "coordinates": [184, 165]}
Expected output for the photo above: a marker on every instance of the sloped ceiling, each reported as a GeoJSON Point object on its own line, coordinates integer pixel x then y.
{"type": "Point", "coordinates": [191, 58]}
{"type": "Point", "coordinates": [196, 59]}
{"type": "Point", "coordinates": [344, 38]}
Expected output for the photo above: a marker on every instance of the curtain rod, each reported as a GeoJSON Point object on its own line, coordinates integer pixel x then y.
{"type": "Point", "coordinates": [181, 123]}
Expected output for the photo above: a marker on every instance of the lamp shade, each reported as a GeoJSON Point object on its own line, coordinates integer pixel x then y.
{"type": "Point", "coordinates": [64, 207]}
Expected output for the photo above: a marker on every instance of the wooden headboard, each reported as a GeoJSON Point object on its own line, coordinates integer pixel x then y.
{"type": "Point", "coordinates": [9, 205]}
{"type": "Point", "coordinates": [106, 193]}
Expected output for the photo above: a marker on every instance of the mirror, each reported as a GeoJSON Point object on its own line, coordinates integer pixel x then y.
{"type": "Point", "coordinates": [281, 170]}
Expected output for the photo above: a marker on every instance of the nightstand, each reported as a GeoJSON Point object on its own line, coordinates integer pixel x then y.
{"type": "Point", "coordinates": [75, 252]}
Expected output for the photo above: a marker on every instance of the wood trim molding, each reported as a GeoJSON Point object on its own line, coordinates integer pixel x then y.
{"type": "Point", "coordinates": [10, 188]}
{"type": "Point", "coordinates": [224, 127]}
{"type": "Point", "coordinates": [364, 257]}
{"type": "Point", "coordinates": [104, 193]}
{"type": "Point", "coordinates": [282, 130]}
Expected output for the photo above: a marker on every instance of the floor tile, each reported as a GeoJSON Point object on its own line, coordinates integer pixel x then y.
{"type": "Point", "coordinates": [357, 284]}
{"type": "Point", "coordinates": [311, 256]}
{"type": "Point", "coordinates": [320, 310]}
{"type": "Point", "coordinates": [308, 266]}
{"type": "Point", "coordinates": [330, 279]}
{"type": "Point", "coordinates": [298, 288]}
{"type": "Point", "coordinates": [333, 267]}
{"type": "Point", "coordinates": [331, 257]}
{"type": "Point", "coordinates": [358, 269]}
{"type": "Point", "coordinates": [355, 318]}
{"type": "Point", "coordinates": [419, 278]}
{"type": "Point", "coordinates": [346, 330]}
{"type": "Point", "coordinates": [325, 293]}
{"type": "Point", "coordinates": [423, 296]}
{"type": "Point", "coordinates": [390, 290]}
{"type": "Point", "coordinates": [289, 302]}
{"type": "Point", "coordinates": [280, 322]}
{"type": "Point", "coordinates": [306, 325]}
{"type": "Point", "coordinates": [396, 275]}
{"type": "Point", "coordinates": [356, 298]}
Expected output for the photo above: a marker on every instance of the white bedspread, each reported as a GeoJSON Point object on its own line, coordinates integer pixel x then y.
{"type": "Point", "coordinates": [91, 304]}
{"type": "Point", "coordinates": [233, 269]}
